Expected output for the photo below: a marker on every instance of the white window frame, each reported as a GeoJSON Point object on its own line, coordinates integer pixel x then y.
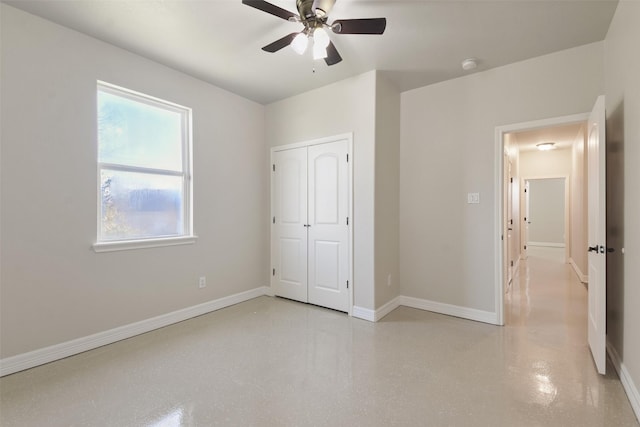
{"type": "Point", "coordinates": [187, 203]}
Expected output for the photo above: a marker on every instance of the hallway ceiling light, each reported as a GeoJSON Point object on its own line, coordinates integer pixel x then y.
{"type": "Point", "coordinates": [546, 146]}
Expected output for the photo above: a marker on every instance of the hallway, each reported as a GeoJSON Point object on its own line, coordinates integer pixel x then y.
{"type": "Point", "coordinates": [546, 319]}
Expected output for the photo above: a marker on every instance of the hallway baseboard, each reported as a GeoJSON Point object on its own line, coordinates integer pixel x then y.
{"type": "Point", "coordinates": [20, 362]}
{"type": "Point", "coordinates": [581, 276]}
{"type": "Point", "coordinates": [546, 244]}
{"type": "Point", "coordinates": [625, 378]}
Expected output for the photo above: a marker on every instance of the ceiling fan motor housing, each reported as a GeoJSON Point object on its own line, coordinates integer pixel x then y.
{"type": "Point", "coordinates": [314, 9]}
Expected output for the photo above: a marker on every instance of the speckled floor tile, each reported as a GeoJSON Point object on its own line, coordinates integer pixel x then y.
{"type": "Point", "coordinates": [273, 362]}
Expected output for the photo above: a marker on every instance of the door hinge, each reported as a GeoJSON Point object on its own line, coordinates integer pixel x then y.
{"type": "Point", "coordinates": [274, 219]}
{"type": "Point", "coordinates": [525, 218]}
{"type": "Point", "coordinates": [511, 180]}
{"type": "Point", "coordinates": [502, 237]}
{"type": "Point", "coordinates": [510, 222]}
{"type": "Point", "coordinates": [347, 284]}
{"type": "Point", "coordinates": [347, 220]}
{"type": "Point", "coordinates": [274, 272]}
{"type": "Point", "coordinates": [525, 190]}
{"type": "Point", "coordinates": [347, 157]}
{"type": "Point", "coordinates": [274, 167]}
{"type": "Point", "coordinates": [525, 247]}
{"type": "Point", "coordinates": [511, 263]}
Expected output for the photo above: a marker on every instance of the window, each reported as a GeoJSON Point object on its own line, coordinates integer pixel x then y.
{"type": "Point", "coordinates": [144, 189]}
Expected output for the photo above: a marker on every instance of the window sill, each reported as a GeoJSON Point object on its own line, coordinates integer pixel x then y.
{"type": "Point", "coordinates": [125, 245]}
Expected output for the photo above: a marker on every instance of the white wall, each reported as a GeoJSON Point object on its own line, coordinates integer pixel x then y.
{"type": "Point", "coordinates": [546, 211]}
{"type": "Point", "coordinates": [447, 150]}
{"type": "Point", "coordinates": [54, 287]}
{"type": "Point", "coordinates": [346, 106]}
{"type": "Point", "coordinates": [622, 90]}
{"type": "Point", "coordinates": [544, 164]}
{"type": "Point", "coordinates": [387, 192]}
{"type": "Point", "coordinates": [369, 106]}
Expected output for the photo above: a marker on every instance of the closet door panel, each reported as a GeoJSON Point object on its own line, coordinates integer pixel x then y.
{"type": "Point", "coordinates": [328, 201]}
{"type": "Point", "coordinates": [289, 234]}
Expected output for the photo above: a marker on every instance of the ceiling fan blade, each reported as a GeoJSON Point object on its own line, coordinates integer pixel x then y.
{"type": "Point", "coordinates": [270, 8]}
{"type": "Point", "coordinates": [333, 57]}
{"type": "Point", "coordinates": [279, 44]}
{"type": "Point", "coordinates": [359, 26]}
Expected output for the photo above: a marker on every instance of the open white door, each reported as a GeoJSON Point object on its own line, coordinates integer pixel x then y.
{"type": "Point", "coordinates": [597, 235]}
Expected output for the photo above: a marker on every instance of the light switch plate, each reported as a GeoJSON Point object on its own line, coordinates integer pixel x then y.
{"type": "Point", "coordinates": [473, 198]}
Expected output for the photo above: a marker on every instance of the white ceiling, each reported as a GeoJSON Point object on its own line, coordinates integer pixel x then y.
{"type": "Point", "coordinates": [219, 41]}
{"type": "Point", "coordinates": [563, 136]}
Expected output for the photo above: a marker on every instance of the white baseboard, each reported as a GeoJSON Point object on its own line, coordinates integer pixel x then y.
{"type": "Point", "coordinates": [377, 314]}
{"type": "Point", "coordinates": [546, 244]}
{"type": "Point", "coordinates": [269, 291]}
{"type": "Point", "coordinates": [582, 277]}
{"type": "Point", "coordinates": [41, 356]}
{"type": "Point", "coordinates": [364, 313]}
{"type": "Point", "coordinates": [625, 378]}
{"type": "Point", "coordinates": [450, 310]}
{"type": "Point", "coordinates": [427, 305]}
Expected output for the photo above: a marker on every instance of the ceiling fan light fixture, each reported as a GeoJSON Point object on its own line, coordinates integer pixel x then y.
{"type": "Point", "coordinates": [319, 51]}
{"type": "Point", "coordinates": [546, 146]}
{"type": "Point", "coordinates": [320, 37]}
{"type": "Point", "coordinates": [299, 43]}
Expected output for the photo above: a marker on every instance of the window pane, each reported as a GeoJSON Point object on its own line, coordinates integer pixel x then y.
{"type": "Point", "coordinates": [138, 134]}
{"type": "Point", "coordinates": [138, 205]}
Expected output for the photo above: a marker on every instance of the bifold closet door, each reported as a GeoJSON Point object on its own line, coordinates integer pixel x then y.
{"type": "Point", "coordinates": [328, 230]}
{"type": "Point", "coordinates": [310, 232]}
{"type": "Point", "coordinates": [289, 239]}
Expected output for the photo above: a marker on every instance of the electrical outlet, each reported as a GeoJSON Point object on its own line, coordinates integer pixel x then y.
{"type": "Point", "coordinates": [202, 283]}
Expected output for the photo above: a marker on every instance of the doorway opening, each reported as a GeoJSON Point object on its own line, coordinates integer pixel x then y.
{"type": "Point", "coordinates": [545, 219]}
{"type": "Point", "coordinates": [520, 162]}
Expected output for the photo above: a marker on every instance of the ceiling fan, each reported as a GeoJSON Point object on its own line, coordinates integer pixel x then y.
{"type": "Point", "coordinates": [313, 14]}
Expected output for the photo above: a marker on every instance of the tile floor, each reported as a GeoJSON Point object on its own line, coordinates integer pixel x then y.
{"type": "Point", "coordinates": [273, 362]}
